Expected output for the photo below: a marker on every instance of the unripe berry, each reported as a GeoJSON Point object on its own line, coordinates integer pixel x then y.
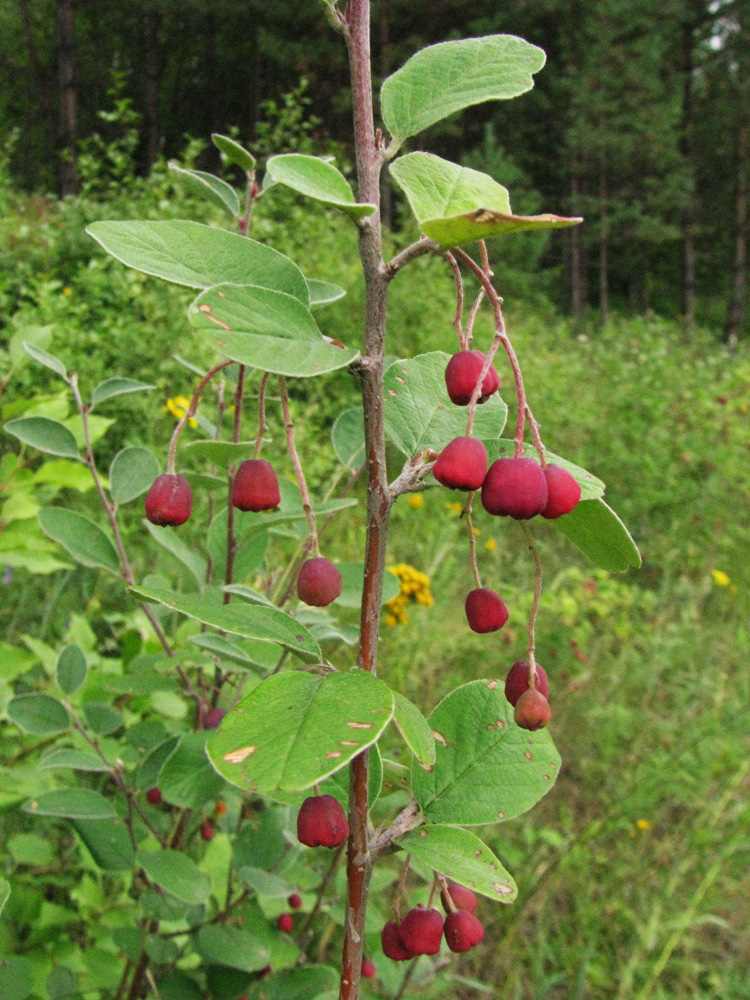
{"type": "Point", "coordinates": [207, 830]}
{"type": "Point", "coordinates": [295, 901]}
{"type": "Point", "coordinates": [153, 795]}
{"type": "Point", "coordinates": [462, 464]}
{"type": "Point", "coordinates": [212, 719]}
{"type": "Point", "coordinates": [392, 945]}
{"type": "Point", "coordinates": [169, 501]}
{"type": "Point", "coordinates": [485, 610]}
{"type": "Point", "coordinates": [255, 486]}
{"type": "Point", "coordinates": [421, 931]}
{"type": "Point", "coordinates": [515, 487]}
{"type": "Point", "coordinates": [318, 582]}
{"type": "Point", "coordinates": [285, 922]}
{"type": "Point", "coordinates": [462, 931]}
{"type": "Point", "coordinates": [462, 373]}
{"type": "Point", "coordinates": [517, 681]}
{"type": "Point", "coordinates": [463, 898]}
{"type": "Point", "coordinates": [563, 492]}
{"type": "Point", "coordinates": [321, 822]}
{"type": "Point", "coordinates": [368, 968]}
{"type": "Point", "coordinates": [532, 710]}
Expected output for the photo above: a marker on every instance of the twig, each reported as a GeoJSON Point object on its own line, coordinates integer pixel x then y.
{"type": "Point", "coordinates": [459, 299]}
{"type": "Point", "coordinates": [262, 425]}
{"type": "Point", "coordinates": [472, 541]}
{"type": "Point", "coordinates": [190, 412]}
{"type": "Point", "coordinates": [419, 249]}
{"type": "Point", "coordinates": [305, 933]}
{"type": "Point", "coordinates": [312, 543]}
{"type": "Point", "coordinates": [400, 889]}
{"type": "Point", "coordinates": [535, 603]}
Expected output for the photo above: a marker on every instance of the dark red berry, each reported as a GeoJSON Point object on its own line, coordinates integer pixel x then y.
{"type": "Point", "coordinates": [462, 374]}
{"type": "Point", "coordinates": [532, 710]}
{"type": "Point", "coordinates": [169, 501]}
{"type": "Point", "coordinates": [485, 610]}
{"type": "Point", "coordinates": [463, 898]}
{"type": "Point", "coordinates": [563, 492]}
{"type": "Point", "coordinates": [421, 931]}
{"type": "Point", "coordinates": [207, 830]}
{"type": "Point", "coordinates": [153, 795]}
{"type": "Point", "coordinates": [295, 901]}
{"type": "Point", "coordinates": [517, 681]}
{"type": "Point", "coordinates": [515, 487]}
{"type": "Point", "coordinates": [392, 945]}
{"type": "Point", "coordinates": [212, 719]}
{"type": "Point", "coordinates": [318, 582]}
{"type": "Point", "coordinates": [462, 464]}
{"type": "Point", "coordinates": [462, 931]}
{"type": "Point", "coordinates": [321, 822]}
{"type": "Point", "coordinates": [255, 486]}
{"type": "Point", "coordinates": [368, 968]}
{"type": "Point", "coordinates": [285, 922]}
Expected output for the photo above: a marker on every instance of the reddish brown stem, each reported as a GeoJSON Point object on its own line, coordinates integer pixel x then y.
{"type": "Point", "coordinates": [262, 425]}
{"type": "Point", "coordinates": [459, 300]}
{"type": "Point", "coordinates": [190, 412]}
{"type": "Point", "coordinates": [312, 544]}
{"type": "Point", "coordinates": [535, 603]}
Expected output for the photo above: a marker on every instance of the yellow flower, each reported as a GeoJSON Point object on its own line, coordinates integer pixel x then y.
{"type": "Point", "coordinates": [67, 291]}
{"type": "Point", "coordinates": [178, 407]}
{"type": "Point", "coordinates": [456, 507]}
{"type": "Point", "coordinates": [643, 825]}
{"type": "Point", "coordinates": [720, 578]}
{"type": "Point", "coordinates": [477, 532]}
{"type": "Point", "coordinates": [415, 501]}
{"type": "Point", "coordinates": [414, 586]}
{"type": "Point", "coordinates": [490, 544]}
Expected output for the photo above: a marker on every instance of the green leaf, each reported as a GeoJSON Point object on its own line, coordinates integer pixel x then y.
{"type": "Point", "coordinates": [103, 719]}
{"type": "Point", "coordinates": [132, 474]}
{"type": "Point", "coordinates": [418, 410]}
{"type": "Point", "coordinates": [348, 437]}
{"type": "Point", "coordinates": [414, 728]}
{"type": "Point", "coordinates": [323, 292]}
{"type": "Point", "coordinates": [187, 778]}
{"type": "Point", "coordinates": [213, 187]}
{"type": "Point", "coordinates": [188, 253]}
{"type": "Point", "coordinates": [460, 855]}
{"type": "Point", "coordinates": [74, 760]}
{"type": "Point", "coordinates": [48, 360]}
{"type": "Point", "coordinates": [38, 714]}
{"type": "Point", "coordinates": [16, 977]}
{"type": "Point", "coordinates": [247, 654]}
{"type": "Point", "coordinates": [456, 205]}
{"type": "Point", "coordinates": [251, 621]}
{"type": "Point", "coordinates": [353, 575]}
{"type": "Point", "coordinates": [233, 151]}
{"type": "Point", "coordinates": [337, 785]}
{"type": "Point", "coordinates": [67, 475]}
{"type": "Point", "coordinates": [108, 843]}
{"type": "Point", "coordinates": [591, 487]}
{"type": "Point", "coordinates": [598, 532]}
{"type": "Point", "coordinates": [83, 539]}
{"type": "Point", "coordinates": [117, 387]}
{"type": "Point", "coordinates": [295, 729]}
{"type": "Point", "coordinates": [45, 435]}
{"type": "Point", "coordinates": [70, 671]}
{"type": "Point", "coordinates": [266, 329]}
{"type": "Point", "coordinates": [177, 875]}
{"type": "Point", "coordinates": [150, 767]}
{"type": "Point", "coordinates": [71, 803]}
{"type": "Point", "coordinates": [318, 179]}
{"type": "Point", "coordinates": [307, 983]}
{"type": "Point", "coordinates": [170, 541]}
{"type": "Point", "coordinates": [231, 946]}
{"type": "Point", "coordinates": [4, 893]}
{"type": "Point", "coordinates": [266, 883]}
{"type": "Point", "coordinates": [487, 768]}
{"type": "Point", "coordinates": [62, 984]}
{"type": "Point", "coordinates": [445, 78]}
{"type": "Point", "coordinates": [28, 849]}
{"type": "Point", "coordinates": [222, 452]}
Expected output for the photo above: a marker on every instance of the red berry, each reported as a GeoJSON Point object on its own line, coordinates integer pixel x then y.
{"type": "Point", "coordinates": [462, 464]}
{"type": "Point", "coordinates": [515, 487]}
{"type": "Point", "coordinates": [462, 374]}
{"type": "Point", "coordinates": [368, 968]}
{"type": "Point", "coordinates": [285, 922]}
{"type": "Point", "coordinates": [321, 822]}
{"type": "Point", "coordinates": [517, 681]}
{"type": "Point", "coordinates": [255, 486]}
{"type": "Point", "coordinates": [169, 501]}
{"type": "Point", "coordinates": [462, 931]}
{"type": "Point", "coordinates": [393, 946]}
{"type": "Point", "coordinates": [212, 719]}
{"type": "Point", "coordinates": [207, 830]}
{"type": "Point", "coordinates": [563, 492]}
{"type": "Point", "coordinates": [318, 582]}
{"type": "Point", "coordinates": [532, 710]}
{"type": "Point", "coordinates": [295, 901]}
{"type": "Point", "coordinates": [463, 898]}
{"type": "Point", "coordinates": [485, 610]}
{"type": "Point", "coordinates": [421, 931]}
{"type": "Point", "coordinates": [153, 795]}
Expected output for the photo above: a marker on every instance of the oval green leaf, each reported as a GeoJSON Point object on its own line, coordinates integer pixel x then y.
{"type": "Point", "coordinates": [317, 178]}
{"type": "Point", "coordinates": [598, 532]}
{"type": "Point", "coordinates": [74, 760]}
{"type": "Point", "coordinates": [177, 874]}
{"type": "Point", "coordinates": [222, 945]}
{"type": "Point", "coordinates": [171, 541]}
{"type": "Point", "coordinates": [38, 714]}
{"type": "Point", "coordinates": [323, 292]}
{"type": "Point", "coordinates": [71, 803]}
{"type": "Point", "coordinates": [83, 539]}
{"type": "Point", "coordinates": [348, 437]}
{"type": "Point", "coordinates": [102, 718]}
{"type": "Point", "coordinates": [70, 671]}
{"type": "Point", "coordinates": [415, 730]}
{"type": "Point", "coordinates": [48, 360]}
{"type": "Point", "coordinates": [233, 151]}
{"type": "Point", "coordinates": [132, 473]}
{"type": "Point", "coordinates": [45, 435]}
{"type": "Point", "coordinates": [353, 576]}
{"type": "Point", "coordinates": [212, 187]}
{"type": "Point", "coordinates": [187, 779]}
{"type": "Point", "coordinates": [112, 387]}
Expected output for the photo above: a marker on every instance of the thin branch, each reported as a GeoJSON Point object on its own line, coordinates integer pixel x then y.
{"type": "Point", "coordinates": [190, 412]}
{"type": "Point", "coordinates": [312, 543]}
{"type": "Point", "coordinates": [305, 933]}
{"type": "Point", "coordinates": [535, 603]}
{"type": "Point", "coordinates": [419, 249]}
{"type": "Point", "coordinates": [262, 425]}
{"type": "Point", "coordinates": [459, 299]}
{"type": "Point", "coordinates": [472, 541]}
{"type": "Point", "coordinates": [400, 889]}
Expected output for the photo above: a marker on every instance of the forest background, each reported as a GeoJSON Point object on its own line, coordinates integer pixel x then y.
{"type": "Point", "coordinates": [632, 329]}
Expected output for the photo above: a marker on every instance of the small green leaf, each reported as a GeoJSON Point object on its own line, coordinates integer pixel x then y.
{"type": "Point", "coordinates": [318, 179]}
{"type": "Point", "coordinates": [266, 329]}
{"type": "Point", "coordinates": [266, 883]}
{"type": "Point", "coordinates": [4, 893]}
{"type": "Point", "coordinates": [295, 729]}
{"type": "Point", "coordinates": [83, 539]}
{"type": "Point", "coordinates": [108, 843]}
{"type": "Point", "coordinates": [323, 292]}
{"type": "Point", "coordinates": [38, 714]}
{"type": "Point", "coordinates": [48, 360]}
{"type": "Point", "coordinates": [150, 767]}
{"type": "Point", "coordinates": [348, 437]}
{"type": "Point", "coordinates": [598, 532]}
{"type": "Point", "coordinates": [418, 410]}
{"type": "Point", "coordinates": [223, 945]}
{"type": "Point", "coordinates": [187, 779]}
{"type": "Point", "coordinates": [74, 760]}
{"type": "Point", "coordinates": [45, 435]}
{"type": "Point", "coordinates": [448, 77]}
{"type": "Point", "coordinates": [176, 874]}
{"type": "Point", "coordinates": [248, 654]}
{"type": "Point", "coordinates": [16, 977]}
{"type": "Point", "coordinates": [102, 718]}
{"type": "Point", "coordinates": [169, 540]}
{"type": "Point", "coordinates": [28, 849]}
{"type": "Point", "coordinates": [233, 151]}
{"type": "Point", "coordinates": [213, 187]}
{"type": "Point", "coordinates": [70, 671]}
{"type": "Point", "coordinates": [65, 474]}
{"type": "Point", "coordinates": [353, 575]}
{"type": "Point", "coordinates": [117, 387]}
{"type": "Point", "coordinates": [415, 730]}
{"type": "Point", "coordinates": [132, 474]}
{"type": "Point", "coordinates": [308, 983]}
{"type": "Point", "coordinates": [71, 803]}
{"type": "Point", "coordinates": [591, 487]}
{"type": "Point", "coordinates": [222, 452]}
{"type": "Point", "coordinates": [337, 785]}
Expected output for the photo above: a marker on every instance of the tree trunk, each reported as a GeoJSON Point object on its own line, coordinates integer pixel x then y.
{"type": "Point", "coordinates": [736, 305]}
{"type": "Point", "coordinates": [152, 27]}
{"type": "Point", "coordinates": [66, 63]}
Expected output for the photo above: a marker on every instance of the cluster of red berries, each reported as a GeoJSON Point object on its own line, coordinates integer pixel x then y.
{"type": "Point", "coordinates": [422, 929]}
{"type": "Point", "coordinates": [255, 487]}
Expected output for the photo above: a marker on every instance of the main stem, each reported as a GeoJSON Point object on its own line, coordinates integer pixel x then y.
{"type": "Point", "coordinates": [369, 158]}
